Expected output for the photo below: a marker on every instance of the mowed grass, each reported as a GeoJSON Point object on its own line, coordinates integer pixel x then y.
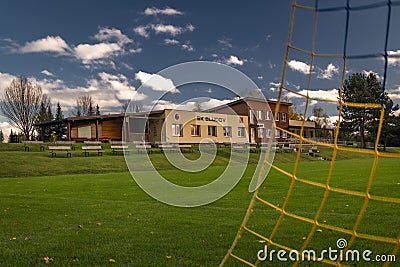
{"type": "Point", "coordinates": [84, 211]}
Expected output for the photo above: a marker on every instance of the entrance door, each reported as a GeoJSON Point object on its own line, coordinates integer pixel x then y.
{"type": "Point", "coordinates": [252, 135]}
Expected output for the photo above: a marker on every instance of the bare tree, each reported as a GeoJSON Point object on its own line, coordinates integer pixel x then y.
{"type": "Point", "coordinates": [197, 106]}
{"type": "Point", "coordinates": [21, 103]}
{"type": "Point", "coordinates": [84, 106]}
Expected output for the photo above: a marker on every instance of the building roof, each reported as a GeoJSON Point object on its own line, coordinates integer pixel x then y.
{"type": "Point", "coordinates": [296, 123]}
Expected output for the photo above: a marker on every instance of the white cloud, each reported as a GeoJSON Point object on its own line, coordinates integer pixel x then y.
{"type": "Point", "coordinates": [274, 86]}
{"type": "Point", "coordinates": [166, 11]}
{"type": "Point", "coordinates": [171, 41]}
{"type": "Point", "coordinates": [170, 29]}
{"type": "Point", "coordinates": [49, 44]}
{"type": "Point", "coordinates": [329, 72]}
{"type": "Point", "coordinates": [47, 73]}
{"type": "Point", "coordinates": [330, 95]}
{"type": "Point", "coordinates": [108, 34]}
{"type": "Point", "coordinates": [394, 94]}
{"type": "Point", "coordinates": [89, 52]}
{"type": "Point", "coordinates": [160, 28]}
{"type": "Point", "coordinates": [225, 42]}
{"type": "Point", "coordinates": [156, 82]}
{"type": "Point", "coordinates": [120, 85]}
{"type": "Point", "coordinates": [234, 60]}
{"type": "Point", "coordinates": [142, 31]}
{"type": "Point", "coordinates": [368, 72]}
{"type": "Point", "coordinates": [6, 127]}
{"type": "Point", "coordinates": [187, 46]}
{"type": "Point", "coordinates": [209, 103]}
{"type": "Point", "coordinates": [5, 81]}
{"type": "Point", "coordinates": [395, 59]}
{"type": "Point", "coordinates": [299, 66]}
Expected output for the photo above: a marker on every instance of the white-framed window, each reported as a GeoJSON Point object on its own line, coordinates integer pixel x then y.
{"type": "Point", "coordinates": [268, 133]}
{"type": "Point", "coordinates": [284, 134]}
{"type": "Point", "coordinates": [177, 130]}
{"type": "Point", "coordinates": [277, 133]}
{"type": "Point", "coordinates": [261, 132]}
{"type": "Point", "coordinates": [284, 115]}
{"type": "Point", "coordinates": [267, 115]}
{"type": "Point", "coordinates": [212, 130]}
{"type": "Point", "coordinates": [252, 116]}
{"type": "Point", "coordinates": [195, 130]}
{"type": "Point", "coordinates": [227, 131]}
{"type": "Point", "coordinates": [277, 117]}
{"type": "Point", "coordinates": [259, 115]}
{"type": "Point", "coordinates": [241, 132]}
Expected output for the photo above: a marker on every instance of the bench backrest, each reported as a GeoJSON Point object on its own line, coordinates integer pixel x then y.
{"type": "Point", "coordinates": [92, 142]}
{"type": "Point", "coordinates": [119, 147]}
{"type": "Point", "coordinates": [59, 148]}
{"type": "Point", "coordinates": [91, 147]}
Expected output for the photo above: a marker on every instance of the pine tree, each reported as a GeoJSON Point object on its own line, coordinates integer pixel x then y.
{"type": "Point", "coordinates": [1, 136]}
{"type": "Point", "coordinates": [60, 128]}
{"type": "Point", "coordinates": [90, 111]}
{"type": "Point", "coordinates": [97, 110]}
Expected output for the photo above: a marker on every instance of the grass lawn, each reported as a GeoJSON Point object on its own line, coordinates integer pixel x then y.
{"type": "Point", "coordinates": [84, 211]}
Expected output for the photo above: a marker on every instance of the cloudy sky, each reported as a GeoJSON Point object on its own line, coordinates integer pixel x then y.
{"type": "Point", "coordinates": [107, 49]}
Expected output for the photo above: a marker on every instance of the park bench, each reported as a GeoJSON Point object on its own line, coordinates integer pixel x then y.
{"type": "Point", "coordinates": [88, 142]}
{"type": "Point", "coordinates": [122, 148]}
{"type": "Point", "coordinates": [167, 147]}
{"type": "Point", "coordinates": [28, 148]}
{"type": "Point", "coordinates": [71, 143]}
{"type": "Point", "coordinates": [188, 148]}
{"type": "Point", "coordinates": [88, 149]}
{"type": "Point", "coordinates": [142, 148]}
{"type": "Point", "coordinates": [54, 150]}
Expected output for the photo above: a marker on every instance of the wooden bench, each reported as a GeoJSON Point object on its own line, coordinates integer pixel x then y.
{"type": "Point", "coordinates": [167, 147]}
{"type": "Point", "coordinates": [27, 143]}
{"type": "Point", "coordinates": [92, 142]}
{"type": "Point", "coordinates": [122, 148]}
{"type": "Point", "coordinates": [142, 148]}
{"type": "Point", "coordinates": [88, 149]}
{"type": "Point", "coordinates": [71, 143]}
{"type": "Point", "coordinates": [188, 148]}
{"type": "Point", "coordinates": [54, 150]}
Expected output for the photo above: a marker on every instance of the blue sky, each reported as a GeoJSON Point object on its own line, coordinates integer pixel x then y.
{"type": "Point", "coordinates": [107, 49]}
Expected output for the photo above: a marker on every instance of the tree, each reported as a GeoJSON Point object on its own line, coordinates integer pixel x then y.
{"type": "Point", "coordinates": [132, 107]}
{"type": "Point", "coordinates": [360, 88]}
{"type": "Point", "coordinates": [97, 110]}
{"type": "Point", "coordinates": [84, 106]}
{"type": "Point", "coordinates": [21, 104]}
{"type": "Point", "coordinates": [1, 136]}
{"type": "Point", "coordinates": [292, 110]}
{"type": "Point", "coordinates": [197, 106]}
{"type": "Point", "coordinates": [60, 128]}
{"type": "Point", "coordinates": [44, 115]}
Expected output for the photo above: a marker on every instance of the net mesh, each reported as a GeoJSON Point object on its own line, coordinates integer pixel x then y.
{"type": "Point", "coordinates": [265, 204]}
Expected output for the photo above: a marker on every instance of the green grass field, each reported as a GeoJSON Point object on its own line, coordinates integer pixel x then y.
{"type": "Point", "coordinates": [84, 211]}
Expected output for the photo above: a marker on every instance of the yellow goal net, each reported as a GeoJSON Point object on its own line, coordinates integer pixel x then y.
{"type": "Point", "coordinates": [340, 199]}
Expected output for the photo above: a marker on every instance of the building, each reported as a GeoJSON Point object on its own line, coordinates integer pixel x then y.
{"type": "Point", "coordinates": [308, 129]}
{"type": "Point", "coordinates": [188, 127]}
{"type": "Point", "coordinates": [261, 117]}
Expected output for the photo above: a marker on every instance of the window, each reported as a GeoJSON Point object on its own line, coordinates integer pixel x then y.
{"type": "Point", "coordinates": [212, 130]}
{"type": "Point", "coordinates": [284, 134]}
{"type": "Point", "coordinates": [241, 132]}
{"type": "Point", "coordinates": [261, 132]}
{"type": "Point", "coordinates": [195, 130]}
{"type": "Point", "coordinates": [227, 131]}
{"type": "Point", "coordinates": [177, 130]}
{"type": "Point", "coordinates": [267, 115]}
{"type": "Point", "coordinates": [251, 116]}
{"type": "Point", "coordinates": [284, 116]}
{"type": "Point", "coordinates": [268, 133]}
{"type": "Point", "coordinates": [277, 117]}
{"type": "Point", "coordinates": [259, 115]}
{"type": "Point", "coordinates": [277, 134]}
